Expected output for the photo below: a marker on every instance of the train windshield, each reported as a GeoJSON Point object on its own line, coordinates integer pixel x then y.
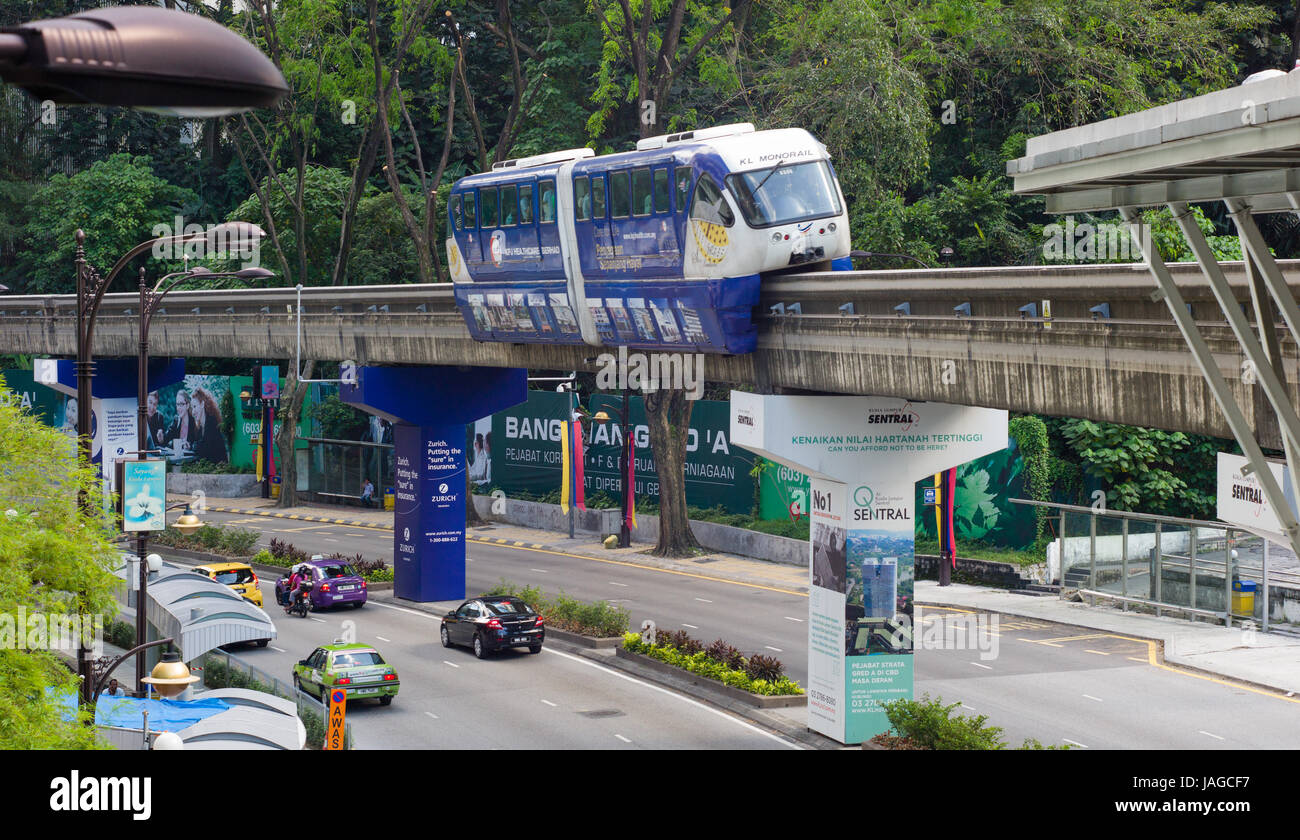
{"type": "Point", "coordinates": [775, 196]}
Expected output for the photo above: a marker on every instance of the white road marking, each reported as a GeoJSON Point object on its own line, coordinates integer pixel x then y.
{"type": "Point", "coordinates": [313, 618]}
{"type": "Point", "coordinates": [792, 618]}
{"type": "Point", "coordinates": [405, 610]}
{"type": "Point", "coordinates": [692, 626]}
{"type": "Point", "coordinates": [549, 703]}
{"type": "Point", "coordinates": [1076, 743]}
{"type": "Point", "coordinates": [968, 708]}
{"type": "Point", "coordinates": [769, 647]}
{"type": "Point", "coordinates": [621, 738]}
{"type": "Point", "coordinates": [452, 664]}
{"type": "Point", "coordinates": [539, 571]}
{"type": "Point", "coordinates": [614, 583]}
{"type": "Point", "coordinates": [1211, 734]}
{"type": "Point", "coordinates": [704, 600]}
{"type": "Point", "coordinates": [588, 663]}
{"type": "Point", "coordinates": [382, 639]}
{"type": "Point", "coordinates": [985, 667]}
{"type": "Point", "coordinates": [327, 539]}
{"type": "Point", "coordinates": [1090, 697]}
{"type": "Point", "coordinates": [276, 649]}
{"type": "Point", "coordinates": [432, 715]}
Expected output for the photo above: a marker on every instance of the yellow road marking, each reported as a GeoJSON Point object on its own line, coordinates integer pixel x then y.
{"type": "Point", "coordinates": [306, 528]}
{"type": "Point", "coordinates": [1081, 638]}
{"type": "Point", "coordinates": [1098, 652]}
{"type": "Point", "coordinates": [1039, 642]}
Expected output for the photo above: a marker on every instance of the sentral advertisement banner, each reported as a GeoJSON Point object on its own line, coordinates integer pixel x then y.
{"type": "Point", "coordinates": [522, 451]}
{"type": "Point", "coordinates": [1241, 499]}
{"type": "Point", "coordinates": [864, 456]}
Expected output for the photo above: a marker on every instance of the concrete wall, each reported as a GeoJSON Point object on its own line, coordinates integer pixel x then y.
{"type": "Point", "coordinates": [218, 485]}
{"type": "Point", "coordinates": [605, 522]}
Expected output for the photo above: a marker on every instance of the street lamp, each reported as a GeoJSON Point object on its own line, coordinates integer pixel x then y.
{"type": "Point", "coordinates": [142, 57]}
{"type": "Point", "coordinates": [150, 300]}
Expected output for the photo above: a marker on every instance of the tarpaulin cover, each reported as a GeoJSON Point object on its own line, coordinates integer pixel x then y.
{"type": "Point", "coordinates": [164, 715]}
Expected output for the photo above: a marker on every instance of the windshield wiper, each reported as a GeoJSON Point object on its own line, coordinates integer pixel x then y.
{"type": "Point", "coordinates": [769, 174]}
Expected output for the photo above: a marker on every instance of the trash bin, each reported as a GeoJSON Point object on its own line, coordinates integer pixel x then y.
{"type": "Point", "coordinates": [1243, 597]}
{"type": "Point", "coordinates": [390, 500]}
{"type": "Point", "coordinates": [275, 487]}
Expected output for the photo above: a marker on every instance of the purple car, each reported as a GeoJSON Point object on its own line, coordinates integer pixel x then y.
{"type": "Point", "coordinates": [334, 583]}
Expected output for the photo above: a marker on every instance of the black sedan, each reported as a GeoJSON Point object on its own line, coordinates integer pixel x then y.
{"type": "Point", "coordinates": [494, 622]}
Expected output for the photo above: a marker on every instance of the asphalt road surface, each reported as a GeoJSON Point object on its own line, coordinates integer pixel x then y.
{"type": "Point", "coordinates": [1053, 683]}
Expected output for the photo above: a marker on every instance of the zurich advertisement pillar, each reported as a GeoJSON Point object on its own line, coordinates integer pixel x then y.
{"type": "Point", "coordinates": [429, 407]}
{"type": "Point", "coordinates": [864, 456]}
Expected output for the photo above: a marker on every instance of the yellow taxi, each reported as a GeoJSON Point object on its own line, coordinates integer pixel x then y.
{"type": "Point", "coordinates": [238, 576]}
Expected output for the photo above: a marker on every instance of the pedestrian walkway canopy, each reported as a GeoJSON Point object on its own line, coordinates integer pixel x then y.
{"type": "Point", "coordinates": [1240, 146]}
{"type": "Point", "coordinates": [199, 613]}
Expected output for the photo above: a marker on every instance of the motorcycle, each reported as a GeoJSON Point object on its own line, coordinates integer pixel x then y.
{"type": "Point", "coordinates": [299, 602]}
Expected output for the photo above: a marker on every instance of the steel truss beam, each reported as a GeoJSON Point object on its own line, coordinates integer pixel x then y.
{"type": "Point", "coordinates": [1273, 387]}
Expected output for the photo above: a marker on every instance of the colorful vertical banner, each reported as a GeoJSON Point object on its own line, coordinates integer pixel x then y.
{"type": "Point", "coordinates": [579, 496]}
{"type": "Point", "coordinates": [864, 456]}
{"type": "Point", "coordinates": [629, 483]}
{"type": "Point", "coordinates": [565, 467]}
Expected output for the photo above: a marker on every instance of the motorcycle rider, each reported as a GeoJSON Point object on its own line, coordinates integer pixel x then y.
{"type": "Point", "coordinates": [301, 578]}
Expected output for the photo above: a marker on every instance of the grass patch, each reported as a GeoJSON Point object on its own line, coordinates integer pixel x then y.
{"type": "Point", "coordinates": [980, 551]}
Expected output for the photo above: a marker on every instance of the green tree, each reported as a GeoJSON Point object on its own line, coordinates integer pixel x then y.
{"type": "Point", "coordinates": [116, 201]}
{"type": "Point", "coordinates": [54, 560]}
{"type": "Point", "coordinates": [319, 205]}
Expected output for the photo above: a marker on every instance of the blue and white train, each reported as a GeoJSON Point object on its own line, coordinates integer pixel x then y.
{"type": "Point", "coordinates": [660, 248]}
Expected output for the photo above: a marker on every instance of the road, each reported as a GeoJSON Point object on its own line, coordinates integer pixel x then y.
{"type": "Point", "coordinates": [1050, 682]}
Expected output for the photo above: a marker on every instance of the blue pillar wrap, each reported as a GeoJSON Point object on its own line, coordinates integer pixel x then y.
{"type": "Point", "coordinates": [429, 513]}
{"type": "Point", "coordinates": [113, 379]}
{"type": "Point", "coordinates": [429, 407]}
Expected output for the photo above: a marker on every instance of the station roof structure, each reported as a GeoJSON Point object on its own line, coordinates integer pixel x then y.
{"type": "Point", "coordinates": [1242, 142]}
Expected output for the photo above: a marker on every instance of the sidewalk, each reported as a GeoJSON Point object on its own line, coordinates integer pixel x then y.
{"type": "Point", "coordinates": [1270, 661]}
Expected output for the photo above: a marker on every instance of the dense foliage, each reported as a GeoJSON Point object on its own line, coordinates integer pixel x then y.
{"type": "Point", "coordinates": [55, 560]}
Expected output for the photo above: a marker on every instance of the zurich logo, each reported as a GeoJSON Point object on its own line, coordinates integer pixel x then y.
{"type": "Point", "coordinates": [442, 488]}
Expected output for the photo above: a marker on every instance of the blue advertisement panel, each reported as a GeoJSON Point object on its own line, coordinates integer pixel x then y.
{"type": "Point", "coordinates": [706, 316]}
{"type": "Point", "coordinates": [429, 513]}
{"type": "Point", "coordinates": [144, 495]}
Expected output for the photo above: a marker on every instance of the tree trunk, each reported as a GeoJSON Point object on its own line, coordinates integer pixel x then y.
{"type": "Point", "coordinates": [290, 409]}
{"type": "Point", "coordinates": [668, 413]}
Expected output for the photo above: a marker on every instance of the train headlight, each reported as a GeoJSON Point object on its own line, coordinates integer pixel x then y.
{"type": "Point", "coordinates": [776, 237]}
{"type": "Point", "coordinates": [831, 227]}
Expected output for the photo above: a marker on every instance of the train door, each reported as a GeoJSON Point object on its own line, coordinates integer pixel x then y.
{"type": "Point", "coordinates": [473, 253]}
{"type": "Point", "coordinates": [620, 220]}
{"type": "Point", "coordinates": [548, 230]}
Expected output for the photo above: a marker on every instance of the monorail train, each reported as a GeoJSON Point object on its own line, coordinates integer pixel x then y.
{"type": "Point", "coordinates": [660, 248]}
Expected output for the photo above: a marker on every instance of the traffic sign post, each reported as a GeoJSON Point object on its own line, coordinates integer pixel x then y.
{"type": "Point", "coordinates": [336, 706]}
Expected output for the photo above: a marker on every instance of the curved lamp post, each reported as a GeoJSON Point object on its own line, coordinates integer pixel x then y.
{"type": "Point", "coordinates": [142, 57]}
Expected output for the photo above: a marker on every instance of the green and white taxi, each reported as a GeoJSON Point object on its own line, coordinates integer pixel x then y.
{"type": "Point", "coordinates": [358, 669]}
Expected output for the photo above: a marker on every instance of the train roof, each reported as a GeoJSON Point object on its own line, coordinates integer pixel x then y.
{"type": "Point", "coordinates": [740, 150]}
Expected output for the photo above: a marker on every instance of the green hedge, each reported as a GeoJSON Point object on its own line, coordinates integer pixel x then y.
{"type": "Point", "coordinates": [705, 666]}
{"type": "Point", "coordinates": [930, 725]}
{"type": "Point", "coordinates": [214, 539]}
{"type": "Point", "coordinates": [595, 618]}
{"type": "Point", "coordinates": [216, 674]}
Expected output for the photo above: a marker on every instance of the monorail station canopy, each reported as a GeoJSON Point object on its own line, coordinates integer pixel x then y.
{"type": "Point", "coordinates": [1240, 146]}
{"type": "Point", "coordinates": [199, 613]}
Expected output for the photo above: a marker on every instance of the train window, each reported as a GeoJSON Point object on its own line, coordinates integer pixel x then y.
{"type": "Point", "coordinates": [546, 192]}
{"type": "Point", "coordinates": [683, 187]}
{"type": "Point", "coordinates": [661, 190]}
{"type": "Point", "coordinates": [525, 204]}
{"type": "Point", "coordinates": [456, 220]}
{"type": "Point", "coordinates": [619, 195]}
{"type": "Point", "coordinates": [582, 197]}
{"type": "Point", "coordinates": [782, 194]}
{"type": "Point", "coordinates": [709, 205]}
{"type": "Point", "coordinates": [509, 205]}
{"type": "Point", "coordinates": [598, 196]}
{"type": "Point", "coordinates": [488, 201]}
{"type": "Point", "coordinates": [642, 200]}
{"type": "Point", "coordinates": [471, 216]}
